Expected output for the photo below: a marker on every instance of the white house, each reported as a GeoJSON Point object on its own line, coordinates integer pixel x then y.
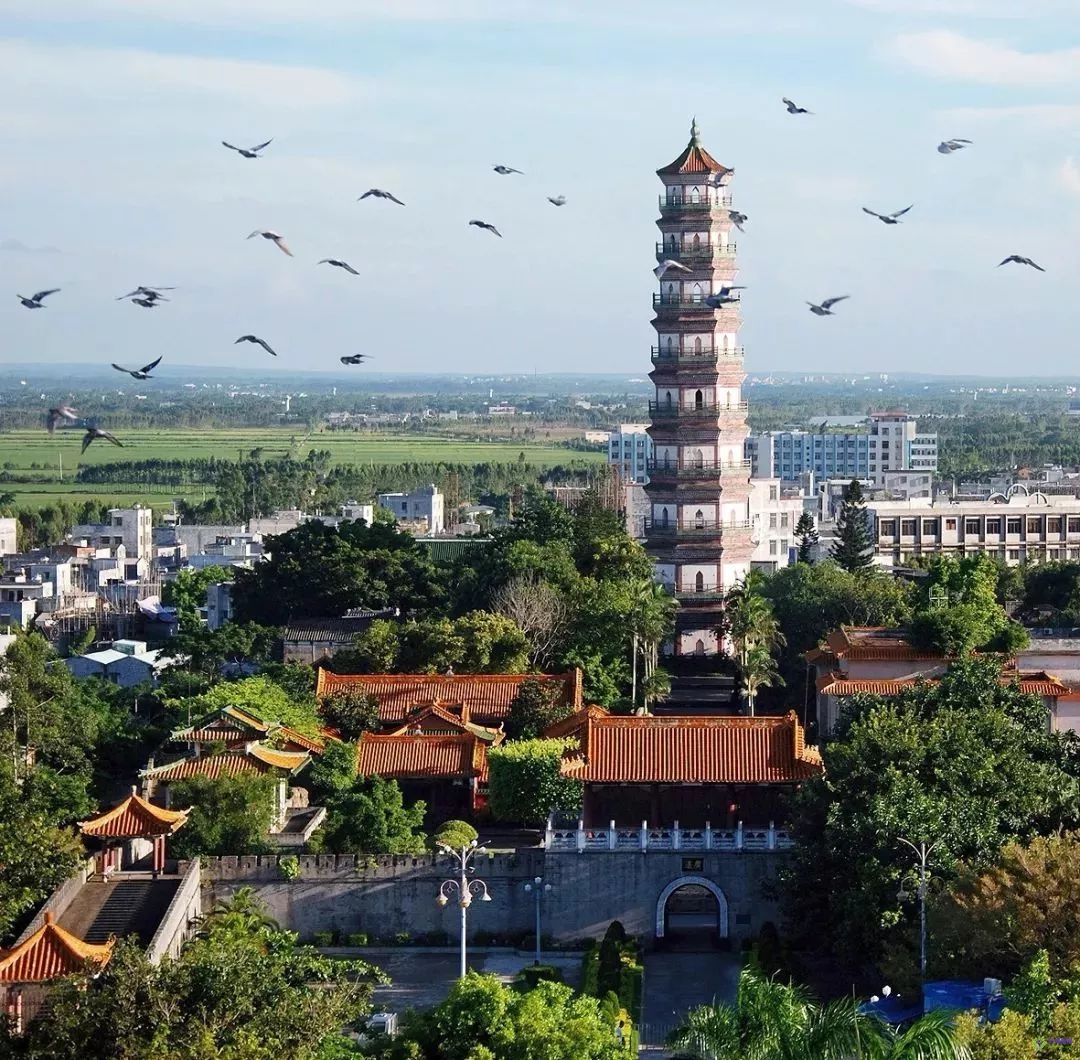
{"type": "Point", "coordinates": [424, 502]}
{"type": "Point", "coordinates": [127, 663]}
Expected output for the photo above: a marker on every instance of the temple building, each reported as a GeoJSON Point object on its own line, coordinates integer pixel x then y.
{"type": "Point", "coordinates": [698, 527]}
{"type": "Point", "coordinates": [132, 834]}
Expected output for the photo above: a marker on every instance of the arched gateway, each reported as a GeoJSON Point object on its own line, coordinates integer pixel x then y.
{"type": "Point", "coordinates": [692, 881]}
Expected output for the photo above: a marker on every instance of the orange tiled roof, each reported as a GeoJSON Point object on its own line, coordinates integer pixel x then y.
{"type": "Point", "coordinates": [135, 817]}
{"type": "Point", "coordinates": [436, 720]}
{"type": "Point", "coordinates": [462, 756]}
{"type": "Point", "coordinates": [485, 698]}
{"type": "Point", "coordinates": [255, 758]}
{"type": "Point", "coordinates": [247, 718]}
{"type": "Point", "coordinates": [49, 953]}
{"type": "Point", "coordinates": [694, 159]}
{"type": "Point", "coordinates": [1036, 684]}
{"type": "Point", "coordinates": [307, 743]}
{"type": "Point", "coordinates": [870, 643]}
{"type": "Point", "coordinates": [290, 760]}
{"type": "Point", "coordinates": [621, 749]}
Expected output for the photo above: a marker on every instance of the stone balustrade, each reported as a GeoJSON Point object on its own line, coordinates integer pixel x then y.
{"type": "Point", "coordinates": [640, 840]}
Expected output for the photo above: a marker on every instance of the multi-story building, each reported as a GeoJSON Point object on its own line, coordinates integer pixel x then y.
{"type": "Point", "coordinates": [131, 527]}
{"type": "Point", "coordinates": [698, 528]}
{"type": "Point", "coordinates": [774, 511]}
{"type": "Point", "coordinates": [1020, 528]}
{"type": "Point", "coordinates": [424, 502]}
{"type": "Point", "coordinates": [887, 443]}
{"type": "Point", "coordinates": [630, 449]}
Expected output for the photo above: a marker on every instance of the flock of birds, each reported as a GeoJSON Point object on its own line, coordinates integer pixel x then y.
{"type": "Point", "coordinates": [147, 297]}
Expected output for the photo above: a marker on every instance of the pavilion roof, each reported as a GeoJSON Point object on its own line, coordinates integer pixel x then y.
{"type": "Point", "coordinates": [1036, 683]}
{"type": "Point", "coordinates": [49, 953]}
{"type": "Point", "coordinates": [134, 818]}
{"type": "Point", "coordinates": [422, 757]}
{"type": "Point", "coordinates": [254, 758]}
{"type": "Point", "coordinates": [694, 159]}
{"type": "Point", "coordinates": [436, 720]}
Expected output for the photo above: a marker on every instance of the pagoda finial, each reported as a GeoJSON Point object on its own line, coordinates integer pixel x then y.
{"type": "Point", "coordinates": [694, 132]}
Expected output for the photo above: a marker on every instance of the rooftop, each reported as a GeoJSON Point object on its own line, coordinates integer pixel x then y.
{"type": "Point", "coordinates": [694, 159]}
{"type": "Point", "coordinates": [419, 756]}
{"type": "Point", "coordinates": [135, 817]}
{"type": "Point", "coordinates": [1038, 683]}
{"type": "Point", "coordinates": [868, 643]}
{"type": "Point", "coordinates": [50, 952]}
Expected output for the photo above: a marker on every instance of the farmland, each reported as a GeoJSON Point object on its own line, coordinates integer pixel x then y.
{"type": "Point", "coordinates": [35, 453]}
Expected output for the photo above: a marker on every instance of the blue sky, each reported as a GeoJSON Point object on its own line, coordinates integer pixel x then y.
{"type": "Point", "coordinates": [111, 113]}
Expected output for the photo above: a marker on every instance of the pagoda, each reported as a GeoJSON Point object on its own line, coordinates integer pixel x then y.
{"type": "Point", "coordinates": [133, 823]}
{"type": "Point", "coordinates": [698, 528]}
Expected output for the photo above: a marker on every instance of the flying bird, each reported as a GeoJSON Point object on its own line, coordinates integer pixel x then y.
{"type": "Point", "coordinates": [97, 432]}
{"type": "Point", "coordinates": [35, 300]}
{"type": "Point", "coordinates": [339, 264]}
{"type": "Point", "coordinates": [1019, 259]}
{"type": "Point", "coordinates": [825, 309]}
{"type": "Point", "coordinates": [139, 373]}
{"type": "Point", "coordinates": [794, 108]}
{"type": "Point", "coordinates": [946, 147]}
{"type": "Point", "coordinates": [148, 302]}
{"type": "Point", "coordinates": [152, 293]}
{"type": "Point", "coordinates": [505, 171]}
{"type": "Point", "coordinates": [277, 238]}
{"type": "Point", "coordinates": [378, 193]}
{"type": "Point", "coordinates": [354, 358]}
{"type": "Point", "coordinates": [888, 218]}
{"type": "Point", "coordinates": [486, 227]}
{"type": "Point", "coordinates": [59, 414]}
{"type": "Point", "coordinates": [248, 152]}
{"type": "Point", "coordinates": [666, 266]}
{"type": "Point", "coordinates": [723, 296]}
{"type": "Point", "coordinates": [557, 200]}
{"type": "Point", "coordinates": [259, 342]}
{"type": "Point", "coordinates": [738, 219]}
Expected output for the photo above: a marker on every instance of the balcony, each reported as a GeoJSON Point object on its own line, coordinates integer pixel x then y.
{"type": "Point", "coordinates": [663, 471]}
{"type": "Point", "coordinates": [582, 840]}
{"type": "Point", "coordinates": [707, 594]}
{"type": "Point", "coordinates": [694, 251]}
{"type": "Point", "coordinates": [670, 355]}
{"type": "Point", "coordinates": [691, 531]}
{"type": "Point", "coordinates": [689, 301]}
{"type": "Point", "coordinates": [679, 203]}
{"type": "Point", "coordinates": [662, 410]}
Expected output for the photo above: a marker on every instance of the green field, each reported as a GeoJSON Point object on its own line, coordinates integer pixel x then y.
{"type": "Point", "coordinates": [37, 452]}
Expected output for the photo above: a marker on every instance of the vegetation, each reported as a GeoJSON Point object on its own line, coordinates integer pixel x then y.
{"type": "Point", "coordinates": [807, 536]}
{"type": "Point", "coordinates": [536, 707]}
{"type": "Point", "coordinates": [229, 815]}
{"type": "Point", "coordinates": [455, 835]}
{"type": "Point", "coordinates": [187, 591]}
{"type": "Point", "coordinates": [241, 988]}
{"type": "Point", "coordinates": [755, 635]}
{"type": "Point", "coordinates": [262, 698]}
{"type": "Point", "coordinates": [526, 781]}
{"type": "Point", "coordinates": [853, 548]}
{"type": "Point", "coordinates": [351, 713]}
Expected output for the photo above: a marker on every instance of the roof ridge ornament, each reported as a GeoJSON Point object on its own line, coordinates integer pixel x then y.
{"type": "Point", "coordinates": [695, 133]}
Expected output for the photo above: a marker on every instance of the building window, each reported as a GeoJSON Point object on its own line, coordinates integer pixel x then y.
{"type": "Point", "coordinates": [929, 527]}
{"type": "Point", "coordinates": [1034, 525]}
{"type": "Point", "coordinates": [887, 528]}
{"type": "Point", "coordinates": [1074, 524]}
{"type": "Point", "coordinates": [772, 520]}
{"type": "Point", "coordinates": [907, 527]}
{"type": "Point", "coordinates": [1014, 554]}
{"type": "Point", "coordinates": [699, 520]}
{"type": "Point", "coordinates": [1053, 524]}
{"type": "Point", "coordinates": [993, 526]}
{"type": "Point", "coordinates": [699, 582]}
{"type": "Point", "coordinates": [1014, 525]}
{"type": "Point", "coordinates": [783, 520]}
{"type": "Point", "coordinates": [971, 526]}
{"type": "Point", "coordinates": [772, 548]}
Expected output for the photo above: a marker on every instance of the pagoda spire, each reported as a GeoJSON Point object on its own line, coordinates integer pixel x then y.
{"type": "Point", "coordinates": [695, 134]}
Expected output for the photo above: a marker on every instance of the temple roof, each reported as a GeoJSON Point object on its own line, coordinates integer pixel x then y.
{"type": "Point", "coordinates": [255, 758]}
{"type": "Point", "coordinates": [134, 818]}
{"type": "Point", "coordinates": [870, 643]}
{"type": "Point", "coordinates": [633, 749]}
{"type": "Point", "coordinates": [1035, 683]}
{"type": "Point", "coordinates": [49, 953]}
{"type": "Point", "coordinates": [694, 159]}
{"type": "Point", "coordinates": [436, 720]}
{"type": "Point", "coordinates": [459, 757]}
{"type": "Point", "coordinates": [482, 698]}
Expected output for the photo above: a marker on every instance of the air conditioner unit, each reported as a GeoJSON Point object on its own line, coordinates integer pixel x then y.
{"type": "Point", "coordinates": [991, 987]}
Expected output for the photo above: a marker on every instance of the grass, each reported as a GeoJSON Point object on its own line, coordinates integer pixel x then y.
{"type": "Point", "coordinates": [21, 450]}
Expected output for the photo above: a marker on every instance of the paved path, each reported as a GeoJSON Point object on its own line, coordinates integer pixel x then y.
{"type": "Point", "coordinates": [677, 982]}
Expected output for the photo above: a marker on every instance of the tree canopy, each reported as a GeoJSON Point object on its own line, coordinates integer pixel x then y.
{"type": "Point", "coordinates": [853, 548]}
{"type": "Point", "coordinates": [526, 782]}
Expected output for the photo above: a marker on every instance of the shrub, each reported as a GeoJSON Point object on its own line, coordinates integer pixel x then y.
{"type": "Point", "coordinates": [322, 939]}
{"type": "Point", "coordinates": [402, 938]}
{"type": "Point", "coordinates": [358, 938]}
{"type": "Point", "coordinates": [289, 867]}
{"type": "Point", "coordinates": [528, 977]}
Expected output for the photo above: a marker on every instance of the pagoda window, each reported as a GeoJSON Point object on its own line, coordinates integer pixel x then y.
{"type": "Point", "coordinates": [696, 292]}
{"type": "Point", "coordinates": [697, 344]}
{"type": "Point", "coordinates": [699, 400]}
{"type": "Point", "coordinates": [664, 517]}
{"type": "Point", "coordinates": [667, 399]}
{"type": "Point", "coordinates": [699, 647]}
{"type": "Point", "coordinates": [697, 459]}
{"type": "Point", "coordinates": [699, 582]}
{"type": "Point", "coordinates": [695, 195]}
{"type": "Point", "coordinates": [696, 241]}
{"type": "Point", "coordinates": [699, 520]}
{"type": "Point", "coordinates": [670, 343]}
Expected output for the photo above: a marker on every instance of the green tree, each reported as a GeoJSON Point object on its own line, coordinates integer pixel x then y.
{"type": "Point", "coordinates": [261, 697]}
{"type": "Point", "coordinates": [237, 990]}
{"type": "Point", "coordinates": [351, 713]}
{"type": "Point", "coordinates": [526, 781]}
{"type": "Point", "coordinates": [187, 591]}
{"type": "Point", "coordinates": [455, 835]}
{"type": "Point", "coordinates": [755, 634]}
{"type": "Point", "coordinates": [968, 762]}
{"type": "Point", "coordinates": [229, 815]}
{"type": "Point", "coordinates": [853, 548]}
{"type": "Point", "coordinates": [376, 650]}
{"type": "Point", "coordinates": [208, 650]}
{"type": "Point", "coordinates": [536, 706]}
{"type": "Point", "coordinates": [807, 536]}
{"type": "Point", "coordinates": [652, 621]}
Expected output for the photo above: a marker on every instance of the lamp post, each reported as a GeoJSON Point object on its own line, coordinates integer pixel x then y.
{"type": "Point", "coordinates": [463, 887]}
{"type": "Point", "coordinates": [922, 853]}
{"type": "Point", "coordinates": [538, 889]}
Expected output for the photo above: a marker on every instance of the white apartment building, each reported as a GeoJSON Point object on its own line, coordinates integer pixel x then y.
{"type": "Point", "coordinates": [424, 502]}
{"type": "Point", "coordinates": [630, 449]}
{"type": "Point", "coordinates": [774, 511]}
{"type": "Point", "coordinates": [888, 442]}
{"type": "Point", "coordinates": [1020, 528]}
{"type": "Point", "coordinates": [131, 527]}
{"type": "Point", "coordinates": [8, 533]}
{"type": "Point", "coordinates": [353, 510]}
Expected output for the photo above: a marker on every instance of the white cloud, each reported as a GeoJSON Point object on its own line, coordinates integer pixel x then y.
{"type": "Point", "coordinates": [1069, 176]}
{"type": "Point", "coordinates": [128, 75]}
{"type": "Point", "coordinates": [942, 53]}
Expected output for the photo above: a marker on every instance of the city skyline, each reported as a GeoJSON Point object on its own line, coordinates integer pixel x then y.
{"type": "Point", "coordinates": [116, 111]}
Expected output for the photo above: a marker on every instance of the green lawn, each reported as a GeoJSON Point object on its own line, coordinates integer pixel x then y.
{"type": "Point", "coordinates": [37, 451]}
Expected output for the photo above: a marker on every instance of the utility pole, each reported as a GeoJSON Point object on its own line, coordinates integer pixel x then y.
{"type": "Point", "coordinates": [922, 878]}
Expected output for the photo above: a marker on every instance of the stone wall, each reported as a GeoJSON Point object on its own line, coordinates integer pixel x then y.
{"type": "Point", "coordinates": [383, 896]}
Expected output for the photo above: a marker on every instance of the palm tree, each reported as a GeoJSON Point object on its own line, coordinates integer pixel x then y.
{"type": "Point", "coordinates": [239, 918]}
{"type": "Point", "coordinates": [770, 1020]}
{"type": "Point", "coordinates": [651, 621]}
{"type": "Point", "coordinates": [755, 634]}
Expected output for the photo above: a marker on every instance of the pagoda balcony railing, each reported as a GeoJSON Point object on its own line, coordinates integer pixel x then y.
{"type": "Point", "coordinates": [661, 410]}
{"type": "Point", "coordinates": [695, 250]}
{"type": "Point", "coordinates": [661, 469]}
{"type": "Point", "coordinates": [640, 840]}
{"type": "Point", "coordinates": [706, 528]}
{"type": "Point", "coordinates": [688, 301]}
{"type": "Point", "coordinates": [673, 355]}
{"type": "Point", "coordinates": [674, 203]}
{"type": "Point", "coordinates": [688, 594]}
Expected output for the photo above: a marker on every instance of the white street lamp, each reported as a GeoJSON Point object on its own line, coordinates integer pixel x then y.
{"type": "Point", "coordinates": [922, 879]}
{"type": "Point", "coordinates": [463, 887]}
{"type": "Point", "coordinates": [538, 888]}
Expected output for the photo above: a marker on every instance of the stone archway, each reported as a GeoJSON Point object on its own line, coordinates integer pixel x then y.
{"type": "Point", "coordinates": [687, 881]}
